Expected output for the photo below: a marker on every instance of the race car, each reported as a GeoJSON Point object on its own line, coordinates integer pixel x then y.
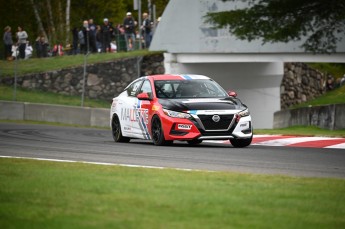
{"type": "Point", "coordinates": [192, 108]}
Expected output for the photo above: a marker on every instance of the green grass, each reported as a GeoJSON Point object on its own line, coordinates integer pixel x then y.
{"type": "Point", "coordinates": [336, 96]}
{"type": "Point", "coordinates": [35, 96]}
{"type": "Point", "coordinates": [41, 194]}
{"type": "Point", "coordinates": [335, 69]}
{"type": "Point", "coordinates": [303, 131]}
{"type": "Point", "coordinates": [55, 63]}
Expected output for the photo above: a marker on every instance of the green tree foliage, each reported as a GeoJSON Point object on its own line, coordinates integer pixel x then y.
{"type": "Point", "coordinates": [20, 12]}
{"type": "Point", "coordinates": [321, 22]}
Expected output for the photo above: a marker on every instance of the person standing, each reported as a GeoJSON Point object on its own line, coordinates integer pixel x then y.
{"type": "Point", "coordinates": [99, 39]}
{"type": "Point", "coordinates": [75, 40]}
{"type": "Point", "coordinates": [106, 31]}
{"type": "Point", "coordinates": [8, 42]}
{"type": "Point", "coordinates": [85, 38]}
{"type": "Point", "coordinates": [41, 46]}
{"type": "Point", "coordinates": [92, 33]}
{"type": "Point", "coordinates": [129, 25]}
{"type": "Point", "coordinates": [146, 30]}
{"type": "Point", "coordinates": [22, 37]}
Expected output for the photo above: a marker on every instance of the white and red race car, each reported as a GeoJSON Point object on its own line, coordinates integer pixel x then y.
{"type": "Point", "coordinates": [191, 108]}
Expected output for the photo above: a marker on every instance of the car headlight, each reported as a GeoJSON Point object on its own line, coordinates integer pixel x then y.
{"type": "Point", "coordinates": [244, 113]}
{"type": "Point", "coordinates": [175, 114]}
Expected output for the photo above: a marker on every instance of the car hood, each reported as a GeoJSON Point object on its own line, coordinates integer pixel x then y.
{"type": "Point", "coordinates": [227, 103]}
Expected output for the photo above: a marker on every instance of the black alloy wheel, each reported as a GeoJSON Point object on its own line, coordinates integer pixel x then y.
{"type": "Point", "coordinates": [116, 130]}
{"type": "Point", "coordinates": [157, 133]}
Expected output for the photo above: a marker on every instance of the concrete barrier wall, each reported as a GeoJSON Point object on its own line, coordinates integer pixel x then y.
{"type": "Point", "coordinates": [11, 110]}
{"type": "Point", "coordinates": [55, 113]}
{"type": "Point", "coordinates": [330, 117]}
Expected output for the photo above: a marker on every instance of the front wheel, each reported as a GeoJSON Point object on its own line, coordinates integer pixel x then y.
{"type": "Point", "coordinates": [240, 143]}
{"type": "Point", "coordinates": [116, 130]}
{"type": "Point", "coordinates": [157, 133]}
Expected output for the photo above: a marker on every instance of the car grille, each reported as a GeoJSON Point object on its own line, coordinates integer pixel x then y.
{"type": "Point", "coordinates": [209, 124]}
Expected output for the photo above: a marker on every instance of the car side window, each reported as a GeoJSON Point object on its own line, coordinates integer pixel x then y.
{"type": "Point", "coordinates": [133, 88]}
{"type": "Point", "coordinates": [146, 87]}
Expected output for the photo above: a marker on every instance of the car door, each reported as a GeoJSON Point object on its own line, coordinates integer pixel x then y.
{"type": "Point", "coordinates": [143, 107]}
{"type": "Point", "coordinates": [128, 112]}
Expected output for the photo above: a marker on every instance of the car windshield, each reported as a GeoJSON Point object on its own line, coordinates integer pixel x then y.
{"type": "Point", "coordinates": [175, 89]}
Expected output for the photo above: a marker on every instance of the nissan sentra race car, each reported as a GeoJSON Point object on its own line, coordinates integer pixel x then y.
{"type": "Point", "coordinates": [192, 108]}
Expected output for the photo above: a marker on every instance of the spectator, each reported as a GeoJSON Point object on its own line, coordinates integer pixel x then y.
{"type": "Point", "coordinates": [15, 51]}
{"type": "Point", "coordinates": [58, 50]}
{"type": "Point", "coordinates": [28, 50]}
{"type": "Point", "coordinates": [330, 83]}
{"type": "Point", "coordinates": [84, 38]}
{"type": "Point", "coordinates": [75, 40]}
{"type": "Point", "coordinates": [92, 34]}
{"type": "Point", "coordinates": [120, 38]}
{"type": "Point", "coordinates": [129, 25]}
{"type": "Point", "coordinates": [8, 42]}
{"type": "Point", "coordinates": [342, 81]}
{"type": "Point", "coordinates": [81, 39]}
{"type": "Point", "coordinates": [99, 38]}
{"type": "Point", "coordinates": [146, 30]}
{"type": "Point", "coordinates": [22, 36]}
{"type": "Point", "coordinates": [41, 47]}
{"type": "Point", "coordinates": [106, 31]}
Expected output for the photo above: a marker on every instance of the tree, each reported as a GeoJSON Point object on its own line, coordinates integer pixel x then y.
{"type": "Point", "coordinates": [38, 18]}
{"type": "Point", "coordinates": [321, 22]}
{"type": "Point", "coordinates": [68, 10]}
{"type": "Point", "coordinates": [51, 32]}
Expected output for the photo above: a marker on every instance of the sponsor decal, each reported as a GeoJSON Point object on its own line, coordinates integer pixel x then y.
{"type": "Point", "coordinates": [134, 115]}
{"type": "Point", "coordinates": [244, 125]}
{"type": "Point", "coordinates": [184, 126]}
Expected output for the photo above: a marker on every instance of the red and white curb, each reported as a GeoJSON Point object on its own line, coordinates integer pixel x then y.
{"type": "Point", "coordinates": [296, 141]}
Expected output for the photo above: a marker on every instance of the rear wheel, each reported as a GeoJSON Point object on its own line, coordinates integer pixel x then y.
{"type": "Point", "coordinates": [116, 130]}
{"type": "Point", "coordinates": [240, 143]}
{"type": "Point", "coordinates": [157, 133]}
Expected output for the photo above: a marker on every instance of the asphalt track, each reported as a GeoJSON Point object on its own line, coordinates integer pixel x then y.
{"type": "Point", "coordinates": [96, 145]}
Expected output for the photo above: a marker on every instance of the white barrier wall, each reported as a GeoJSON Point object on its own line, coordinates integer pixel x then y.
{"type": "Point", "coordinates": [84, 116]}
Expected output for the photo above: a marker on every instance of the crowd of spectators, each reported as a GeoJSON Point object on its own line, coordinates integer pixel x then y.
{"type": "Point", "coordinates": [88, 38]}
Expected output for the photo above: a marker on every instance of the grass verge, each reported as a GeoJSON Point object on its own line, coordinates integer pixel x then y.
{"type": "Point", "coordinates": [59, 62]}
{"type": "Point", "coordinates": [336, 96]}
{"type": "Point", "coordinates": [336, 69]}
{"type": "Point", "coordinates": [35, 96]}
{"type": "Point", "coordinates": [41, 194]}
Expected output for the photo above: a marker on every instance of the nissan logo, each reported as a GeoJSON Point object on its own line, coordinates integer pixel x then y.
{"type": "Point", "coordinates": [216, 118]}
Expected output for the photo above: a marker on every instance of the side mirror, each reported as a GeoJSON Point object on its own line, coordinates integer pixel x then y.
{"type": "Point", "coordinates": [143, 96]}
{"type": "Point", "coordinates": [232, 94]}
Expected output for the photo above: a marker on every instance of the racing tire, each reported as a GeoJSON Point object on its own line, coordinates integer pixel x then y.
{"type": "Point", "coordinates": [240, 143]}
{"type": "Point", "coordinates": [116, 130]}
{"type": "Point", "coordinates": [157, 133]}
{"type": "Point", "coordinates": [194, 142]}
